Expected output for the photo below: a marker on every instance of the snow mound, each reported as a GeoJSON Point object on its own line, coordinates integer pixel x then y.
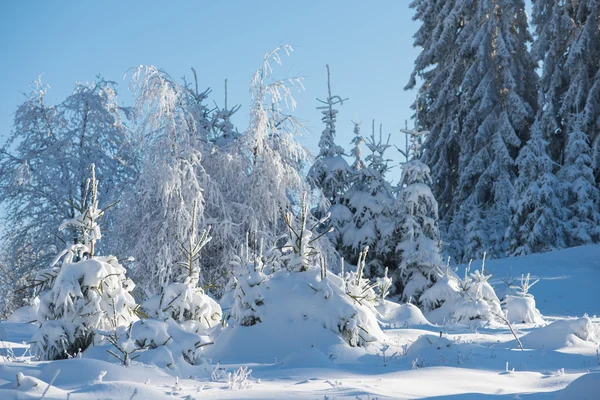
{"type": "Point", "coordinates": [583, 388]}
{"type": "Point", "coordinates": [290, 311]}
{"type": "Point", "coordinates": [24, 314]}
{"type": "Point", "coordinates": [307, 358]}
{"type": "Point", "coordinates": [429, 342]}
{"type": "Point", "coordinates": [522, 310]}
{"type": "Point", "coordinates": [560, 334]}
{"type": "Point", "coordinates": [396, 315]}
{"type": "Point", "coordinates": [29, 387]}
{"type": "Point", "coordinates": [167, 345]}
{"type": "Point", "coordinates": [184, 303]}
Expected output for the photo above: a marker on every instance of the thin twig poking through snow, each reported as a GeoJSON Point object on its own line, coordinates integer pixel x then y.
{"type": "Point", "coordinates": [503, 318]}
{"type": "Point", "coordinates": [50, 384]}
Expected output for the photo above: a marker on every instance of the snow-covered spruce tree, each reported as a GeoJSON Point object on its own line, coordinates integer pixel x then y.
{"type": "Point", "coordinates": [183, 301]}
{"type": "Point", "coordinates": [330, 170]}
{"type": "Point", "coordinates": [455, 299]}
{"type": "Point", "coordinates": [445, 39]}
{"type": "Point", "coordinates": [370, 201]}
{"type": "Point", "coordinates": [44, 161]}
{"type": "Point", "coordinates": [419, 243]}
{"type": "Point", "coordinates": [555, 30]}
{"type": "Point", "coordinates": [537, 215]}
{"type": "Point", "coordinates": [581, 198]}
{"type": "Point", "coordinates": [341, 217]}
{"type": "Point", "coordinates": [223, 132]}
{"type": "Point", "coordinates": [568, 43]}
{"type": "Point", "coordinates": [477, 100]}
{"type": "Point", "coordinates": [81, 292]}
{"type": "Point", "coordinates": [500, 97]}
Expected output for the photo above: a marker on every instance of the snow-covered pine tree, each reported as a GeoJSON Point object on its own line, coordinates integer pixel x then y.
{"type": "Point", "coordinates": [417, 232]}
{"type": "Point", "coordinates": [223, 132]}
{"type": "Point", "coordinates": [44, 161]}
{"type": "Point", "coordinates": [537, 216]}
{"type": "Point", "coordinates": [356, 151]}
{"type": "Point", "coordinates": [521, 308]}
{"type": "Point", "coordinates": [581, 198]}
{"type": "Point", "coordinates": [314, 297]}
{"type": "Point", "coordinates": [370, 201]}
{"type": "Point", "coordinates": [499, 94]}
{"type": "Point", "coordinates": [477, 299]}
{"type": "Point", "coordinates": [81, 292]}
{"type": "Point", "coordinates": [568, 43]}
{"type": "Point", "coordinates": [477, 100]}
{"type": "Point", "coordinates": [445, 37]}
{"type": "Point", "coordinates": [341, 217]}
{"type": "Point", "coordinates": [330, 170]}
{"type": "Point", "coordinates": [555, 31]}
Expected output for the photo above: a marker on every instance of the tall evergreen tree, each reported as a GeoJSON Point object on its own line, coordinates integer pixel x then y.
{"type": "Point", "coordinates": [581, 196]}
{"type": "Point", "coordinates": [446, 54]}
{"type": "Point", "coordinates": [537, 215]}
{"type": "Point", "coordinates": [417, 232]}
{"type": "Point", "coordinates": [330, 170]}
{"type": "Point", "coordinates": [500, 94]}
{"type": "Point", "coordinates": [568, 45]}
{"type": "Point", "coordinates": [475, 57]}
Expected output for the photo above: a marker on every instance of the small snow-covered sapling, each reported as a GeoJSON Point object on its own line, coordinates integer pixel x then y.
{"type": "Point", "coordinates": [385, 347]}
{"type": "Point", "coordinates": [239, 379]}
{"type": "Point", "coordinates": [524, 287]}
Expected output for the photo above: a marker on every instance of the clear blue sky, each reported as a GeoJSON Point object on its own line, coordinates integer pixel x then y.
{"type": "Point", "coordinates": [368, 46]}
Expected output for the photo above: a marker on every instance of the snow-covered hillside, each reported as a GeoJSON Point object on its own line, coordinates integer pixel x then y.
{"type": "Point", "coordinates": [289, 356]}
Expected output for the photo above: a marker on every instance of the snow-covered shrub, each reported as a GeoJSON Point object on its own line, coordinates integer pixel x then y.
{"type": "Point", "coordinates": [299, 249]}
{"type": "Point", "coordinates": [477, 297]}
{"type": "Point", "coordinates": [304, 295]}
{"type": "Point", "coordinates": [384, 283]}
{"type": "Point", "coordinates": [184, 301]}
{"type": "Point", "coordinates": [81, 292]}
{"type": "Point", "coordinates": [444, 290]}
{"type": "Point", "coordinates": [357, 286]}
{"type": "Point", "coordinates": [457, 299]}
{"type": "Point", "coordinates": [166, 344]}
{"type": "Point", "coordinates": [238, 380]}
{"type": "Point", "coordinates": [521, 308]}
{"type": "Point", "coordinates": [249, 298]}
{"type": "Point", "coordinates": [295, 302]}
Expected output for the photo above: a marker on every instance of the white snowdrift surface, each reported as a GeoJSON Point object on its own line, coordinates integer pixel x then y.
{"type": "Point", "coordinates": [465, 362]}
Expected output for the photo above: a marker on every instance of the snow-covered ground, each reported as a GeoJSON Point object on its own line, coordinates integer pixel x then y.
{"type": "Point", "coordinates": [560, 360]}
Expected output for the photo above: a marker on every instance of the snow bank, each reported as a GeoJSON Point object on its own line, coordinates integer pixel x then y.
{"type": "Point", "coordinates": [560, 334]}
{"type": "Point", "coordinates": [583, 388]}
{"type": "Point", "coordinates": [292, 311]}
{"type": "Point", "coordinates": [396, 315]}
